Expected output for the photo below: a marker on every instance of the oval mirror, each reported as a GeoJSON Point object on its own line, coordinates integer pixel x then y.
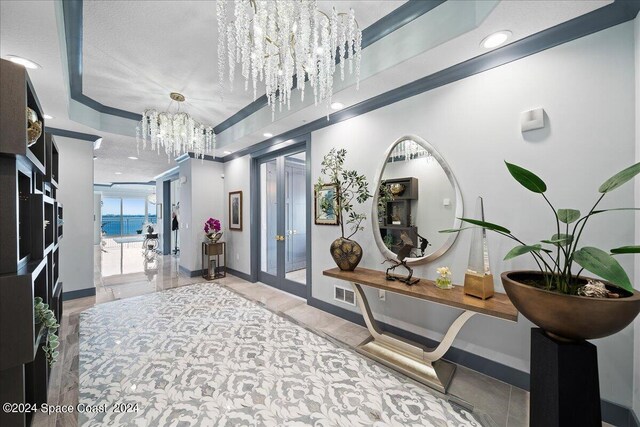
{"type": "Point", "coordinates": [417, 196]}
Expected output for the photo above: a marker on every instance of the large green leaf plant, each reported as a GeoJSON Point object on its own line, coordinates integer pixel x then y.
{"type": "Point", "coordinates": [556, 255]}
{"type": "Point", "coordinates": [350, 187]}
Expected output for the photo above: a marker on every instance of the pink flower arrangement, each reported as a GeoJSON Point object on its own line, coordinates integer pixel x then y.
{"type": "Point", "coordinates": [212, 225]}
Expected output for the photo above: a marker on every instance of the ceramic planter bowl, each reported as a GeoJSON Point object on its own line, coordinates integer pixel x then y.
{"type": "Point", "coordinates": [570, 317]}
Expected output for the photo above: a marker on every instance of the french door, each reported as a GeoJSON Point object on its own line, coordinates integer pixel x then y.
{"type": "Point", "coordinates": [283, 221]}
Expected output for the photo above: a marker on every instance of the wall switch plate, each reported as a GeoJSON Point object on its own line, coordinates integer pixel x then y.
{"type": "Point", "coordinates": [532, 119]}
{"type": "Point", "coordinates": [382, 295]}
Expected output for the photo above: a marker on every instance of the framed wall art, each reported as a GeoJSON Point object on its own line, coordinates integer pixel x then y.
{"type": "Point", "coordinates": [326, 210]}
{"type": "Point", "coordinates": [235, 210]}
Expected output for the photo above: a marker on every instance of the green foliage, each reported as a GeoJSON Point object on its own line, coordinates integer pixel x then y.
{"type": "Point", "coordinates": [556, 263]}
{"type": "Point", "coordinates": [45, 317]}
{"type": "Point", "coordinates": [351, 186]}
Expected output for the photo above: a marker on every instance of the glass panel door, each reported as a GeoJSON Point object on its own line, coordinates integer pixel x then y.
{"type": "Point", "coordinates": [283, 222]}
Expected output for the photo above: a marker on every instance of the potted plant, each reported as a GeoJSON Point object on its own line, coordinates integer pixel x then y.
{"type": "Point", "coordinates": [567, 305]}
{"type": "Point", "coordinates": [212, 230]}
{"type": "Point", "coordinates": [351, 187]}
{"type": "Point", "coordinates": [45, 318]}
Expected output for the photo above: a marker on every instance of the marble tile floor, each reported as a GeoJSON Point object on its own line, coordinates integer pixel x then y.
{"type": "Point", "coordinates": [504, 404]}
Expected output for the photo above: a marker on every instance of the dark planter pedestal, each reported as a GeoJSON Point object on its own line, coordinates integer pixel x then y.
{"type": "Point", "coordinates": [564, 383]}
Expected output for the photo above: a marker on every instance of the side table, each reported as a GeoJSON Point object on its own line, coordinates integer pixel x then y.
{"type": "Point", "coordinates": [212, 268]}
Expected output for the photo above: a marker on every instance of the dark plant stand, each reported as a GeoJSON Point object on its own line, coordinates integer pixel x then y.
{"type": "Point", "coordinates": [565, 390]}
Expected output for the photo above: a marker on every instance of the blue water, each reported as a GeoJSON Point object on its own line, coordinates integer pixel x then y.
{"type": "Point", "coordinates": [114, 225]}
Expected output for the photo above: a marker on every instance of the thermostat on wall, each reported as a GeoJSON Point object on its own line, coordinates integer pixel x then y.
{"type": "Point", "coordinates": [532, 119]}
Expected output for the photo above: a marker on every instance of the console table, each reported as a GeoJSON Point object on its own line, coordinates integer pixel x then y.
{"type": "Point", "coordinates": [412, 359]}
{"type": "Point", "coordinates": [212, 268]}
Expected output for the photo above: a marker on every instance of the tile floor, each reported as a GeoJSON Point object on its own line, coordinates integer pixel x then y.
{"type": "Point", "coordinates": [504, 404]}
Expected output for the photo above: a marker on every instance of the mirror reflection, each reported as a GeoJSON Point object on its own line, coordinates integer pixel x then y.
{"type": "Point", "coordinates": [417, 197]}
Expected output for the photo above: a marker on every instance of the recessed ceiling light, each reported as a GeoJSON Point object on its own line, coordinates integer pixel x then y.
{"type": "Point", "coordinates": [337, 105]}
{"type": "Point", "coordinates": [26, 63]}
{"type": "Point", "coordinates": [118, 173]}
{"type": "Point", "coordinates": [95, 157]}
{"type": "Point", "coordinates": [133, 158]}
{"type": "Point", "coordinates": [227, 152]}
{"type": "Point", "coordinates": [267, 135]}
{"type": "Point", "coordinates": [48, 117]}
{"type": "Point", "coordinates": [495, 39]}
{"type": "Point", "coordinates": [97, 143]}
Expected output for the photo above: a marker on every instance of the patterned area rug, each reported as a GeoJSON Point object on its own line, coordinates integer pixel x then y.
{"type": "Point", "coordinates": [202, 355]}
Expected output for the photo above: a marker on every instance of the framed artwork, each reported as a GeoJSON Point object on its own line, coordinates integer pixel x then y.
{"type": "Point", "coordinates": [235, 210]}
{"type": "Point", "coordinates": [159, 210]}
{"type": "Point", "coordinates": [326, 209]}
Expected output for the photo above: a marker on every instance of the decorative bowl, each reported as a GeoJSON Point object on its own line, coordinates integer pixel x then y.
{"type": "Point", "coordinates": [397, 189]}
{"type": "Point", "coordinates": [34, 127]}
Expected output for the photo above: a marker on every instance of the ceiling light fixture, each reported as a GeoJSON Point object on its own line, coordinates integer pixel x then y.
{"type": "Point", "coordinates": [178, 133]}
{"type": "Point", "coordinates": [337, 105]}
{"type": "Point", "coordinates": [26, 63]}
{"type": "Point", "coordinates": [133, 157]}
{"type": "Point", "coordinates": [47, 117]}
{"type": "Point", "coordinates": [273, 44]}
{"type": "Point", "coordinates": [495, 39]}
{"type": "Point", "coordinates": [267, 135]}
{"type": "Point", "coordinates": [118, 173]}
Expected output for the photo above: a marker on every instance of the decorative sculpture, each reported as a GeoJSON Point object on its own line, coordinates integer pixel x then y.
{"type": "Point", "coordinates": [403, 253]}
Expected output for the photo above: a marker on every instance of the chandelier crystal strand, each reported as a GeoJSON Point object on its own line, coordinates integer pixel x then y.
{"type": "Point", "coordinates": [175, 133]}
{"type": "Point", "coordinates": [283, 43]}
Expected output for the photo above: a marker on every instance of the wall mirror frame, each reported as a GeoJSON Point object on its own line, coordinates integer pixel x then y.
{"type": "Point", "coordinates": [432, 253]}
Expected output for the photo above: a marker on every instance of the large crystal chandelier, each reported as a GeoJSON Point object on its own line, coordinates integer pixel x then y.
{"type": "Point", "coordinates": [177, 133]}
{"type": "Point", "coordinates": [285, 43]}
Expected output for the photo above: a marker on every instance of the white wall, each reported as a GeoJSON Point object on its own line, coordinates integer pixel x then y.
{"type": "Point", "coordinates": [584, 87]}
{"type": "Point", "coordinates": [636, 375]}
{"type": "Point", "coordinates": [97, 218]}
{"type": "Point", "coordinates": [201, 197]}
{"type": "Point", "coordinates": [76, 195]}
{"type": "Point", "coordinates": [236, 178]}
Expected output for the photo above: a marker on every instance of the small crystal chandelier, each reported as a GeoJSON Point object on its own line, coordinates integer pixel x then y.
{"type": "Point", "coordinates": [177, 133]}
{"type": "Point", "coordinates": [282, 41]}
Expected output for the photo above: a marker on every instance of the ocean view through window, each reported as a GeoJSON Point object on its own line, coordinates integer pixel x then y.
{"type": "Point", "coordinates": [126, 216]}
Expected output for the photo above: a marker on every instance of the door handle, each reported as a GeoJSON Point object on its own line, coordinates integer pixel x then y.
{"type": "Point", "coordinates": [279, 237]}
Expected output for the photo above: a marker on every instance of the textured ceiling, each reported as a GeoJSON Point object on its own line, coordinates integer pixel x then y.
{"type": "Point", "coordinates": [135, 53]}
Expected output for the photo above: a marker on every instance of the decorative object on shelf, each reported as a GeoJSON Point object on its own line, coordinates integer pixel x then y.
{"type": "Point", "coordinates": [478, 280]}
{"type": "Point", "coordinates": [276, 41]}
{"type": "Point", "coordinates": [401, 260]}
{"type": "Point", "coordinates": [45, 223]}
{"type": "Point", "coordinates": [34, 127]}
{"type": "Point", "coordinates": [212, 229]}
{"type": "Point", "coordinates": [326, 208]}
{"type": "Point", "coordinates": [443, 281]}
{"type": "Point", "coordinates": [214, 260]}
{"type": "Point", "coordinates": [178, 133]}
{"type": "Point", "coordinates": [350, 187]}
{"type": "Point", "coordinates": [397, 189]}
{"type": "Point", "coordinates": [235, 210]}
{"type": "Point", "coordinates": [45, 317]}
{"type": "Point", "coordinates": [150, 228]}
{"type": "Point", "coordinates": [549, 298]}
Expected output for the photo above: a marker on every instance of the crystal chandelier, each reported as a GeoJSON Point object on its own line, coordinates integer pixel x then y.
{"type": "Point", "coordinates": [177, 133]}
{"type": "Point", "coordinates": [285, 43]}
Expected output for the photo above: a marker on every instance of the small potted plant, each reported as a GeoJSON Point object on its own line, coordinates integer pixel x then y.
{"type": "Point", "coordinates": [212, 230]}
{"type": "Point", "coordinates": [351, 187]}
{"type": "Point", "coordinates": [565, 304]}
{"type": "Point", "coordinates": [45, 317]}
{"type": "Point", "coordinates": [443, 281]}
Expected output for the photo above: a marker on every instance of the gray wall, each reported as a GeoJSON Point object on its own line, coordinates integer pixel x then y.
{"type": "Point", "coordinates": [636, 376]}
{"type": "Point", "coordinates": [585, 87]}
{"type": "Point", "coordinates": [76, 196]}
{"type": "Point", "coordinates": [236, 178]}
{"type": "Point", "coordinates": [201, 197]}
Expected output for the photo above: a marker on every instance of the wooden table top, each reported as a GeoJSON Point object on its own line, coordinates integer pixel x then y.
{"type": "Point", "coordinates": [498, 306]}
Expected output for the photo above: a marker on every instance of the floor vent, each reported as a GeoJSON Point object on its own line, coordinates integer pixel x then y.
{"type": "Point", "coordinates": [344, 295]}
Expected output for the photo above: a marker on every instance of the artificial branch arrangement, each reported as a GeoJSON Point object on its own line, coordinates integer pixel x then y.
{"type": "Point", "coordinates": [555, 256]}
{"type": "Point", "coordinates": [45, 317]}
{"type": "Point", "coordinates": [351, 188]}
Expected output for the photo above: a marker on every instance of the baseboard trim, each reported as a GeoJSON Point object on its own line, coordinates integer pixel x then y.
{"type": "Point", "coordinates": [239, 274]}
{"type": "Point", "coordinates": [80, 293]}
{"type": "Point", "coordinates": [612, 412]}
{"type": "Point", "coordinates": [190, 273]}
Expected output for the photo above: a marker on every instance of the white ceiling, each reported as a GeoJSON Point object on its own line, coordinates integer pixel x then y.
{"type": "Point", "coordinates": [135, 53]}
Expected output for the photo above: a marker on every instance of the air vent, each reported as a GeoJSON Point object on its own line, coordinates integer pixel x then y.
{"type": "Point", "coordinates": [344, 295]}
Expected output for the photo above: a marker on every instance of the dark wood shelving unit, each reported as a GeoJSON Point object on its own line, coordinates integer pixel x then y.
{"type": "Point", "coordinates": [29, 253]}
{"type": "Point", "coordinates": [402, 204]}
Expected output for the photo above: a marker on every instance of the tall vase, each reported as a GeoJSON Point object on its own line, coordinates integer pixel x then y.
{"type": "Point", "coordinates": [346, 253]}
